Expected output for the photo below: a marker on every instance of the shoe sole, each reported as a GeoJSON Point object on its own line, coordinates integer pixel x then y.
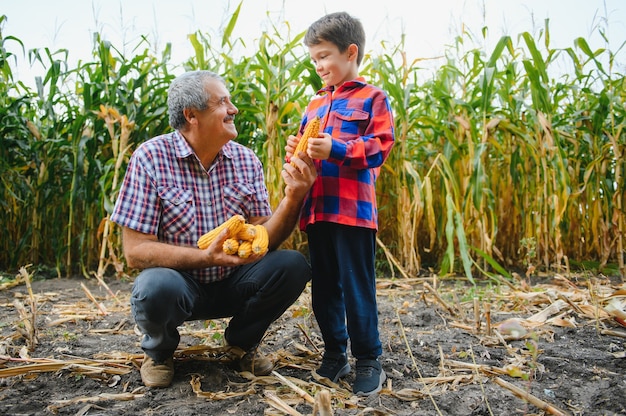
{"type": "Point", "coordinates": [381, 380]}
{"type": "Point", "coordinates": [343, 372]}
{"type": "Point", "coordinates": [156, 385]}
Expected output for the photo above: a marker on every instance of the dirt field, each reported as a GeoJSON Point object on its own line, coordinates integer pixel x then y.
{"type": "Point", "coordinates": [70, 348]}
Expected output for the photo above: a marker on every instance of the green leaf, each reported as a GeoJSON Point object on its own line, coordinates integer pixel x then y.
{"type": "Point", "coordinates": [231, 25]}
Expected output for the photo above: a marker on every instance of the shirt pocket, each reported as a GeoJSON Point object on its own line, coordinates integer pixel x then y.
{"type": "Point", "coordinates": [238, 198]}
{"type": "Point", "coordinates": [352, 122]}
{"type": "Point", "coordinates": [178, 213]}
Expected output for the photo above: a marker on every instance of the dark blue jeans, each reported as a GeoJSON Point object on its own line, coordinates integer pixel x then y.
{"type": "Point", "coordinates": [255, 295]}
{"type": "Point", "coordinates": [343, 288]}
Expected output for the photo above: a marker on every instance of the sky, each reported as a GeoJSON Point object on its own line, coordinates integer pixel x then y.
{"type": "Point", "coordinates": [428, 25]}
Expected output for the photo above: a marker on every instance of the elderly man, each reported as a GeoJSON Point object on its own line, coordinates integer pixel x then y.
{"type": "Point", "coordinates": [179, 186]}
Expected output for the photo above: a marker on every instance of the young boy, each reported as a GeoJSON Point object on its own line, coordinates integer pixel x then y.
{"type": "Point", "coordinates": [340, 215]}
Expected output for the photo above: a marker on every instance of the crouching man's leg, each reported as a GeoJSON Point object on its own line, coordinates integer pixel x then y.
{"type": "Point", "coordinates": [259, 294]}
{"type": "Point", "coordinates": [162, 299]}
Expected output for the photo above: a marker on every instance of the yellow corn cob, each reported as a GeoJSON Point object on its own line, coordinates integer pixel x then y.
{"type": "Point", "coordinates": [261, 240]}
{"type": "Point", "coordinates": [312, 129]}
{"type": "Point", "coordinates": [234, 223]}
{"type": "Point", "coordinates": [247, 232]}
{"type": "Point", "coordinates": [245, 249]}
{"type": "Point", "coordinates": [230, 246]}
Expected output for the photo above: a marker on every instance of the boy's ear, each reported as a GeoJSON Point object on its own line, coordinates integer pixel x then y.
{"type": "Point", "coordinates": [353, 51]}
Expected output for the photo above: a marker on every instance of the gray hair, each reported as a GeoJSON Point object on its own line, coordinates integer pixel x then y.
{"type": "Point", "coordinates": [188, 91]}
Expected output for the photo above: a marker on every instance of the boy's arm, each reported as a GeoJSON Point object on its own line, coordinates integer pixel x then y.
{"type": "Point", "coordinates": [372, 147]}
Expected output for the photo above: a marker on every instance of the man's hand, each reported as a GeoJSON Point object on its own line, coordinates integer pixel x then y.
{"type": "Point", "coordinates": [299, 180]}
{"type": "Point", "coordinates": [144, 250]}
{"type": "Point", "coordinates": [216, 256]}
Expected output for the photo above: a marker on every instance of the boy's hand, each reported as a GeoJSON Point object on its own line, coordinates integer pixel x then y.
{"type": "Point", "coordinates": [320, 147]}
{"type": "Point", "coordinates": [292, 142]}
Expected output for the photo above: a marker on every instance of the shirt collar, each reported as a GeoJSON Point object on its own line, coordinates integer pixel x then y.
{"type": "Point", "coordinates": [183, 149]}
{"type": "Point", "coordinates": [358, 81]}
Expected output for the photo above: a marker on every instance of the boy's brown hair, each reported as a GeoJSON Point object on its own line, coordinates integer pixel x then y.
{"type": "Point", "coordinates": [339, 28]}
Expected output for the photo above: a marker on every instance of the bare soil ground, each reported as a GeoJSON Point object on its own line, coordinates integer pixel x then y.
{"type": "Point", "coordinates": [69, 347]}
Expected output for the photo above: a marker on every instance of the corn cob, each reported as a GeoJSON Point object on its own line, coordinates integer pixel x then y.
{"type": "Point", "coordinates": [234, 224]}
{"type": "Point", "coordinates": [245, 249]}
{"type": "Point", "coordinates": [312, 129]}
{"type": "Point", "coordinates": [230, 246]}
{"type": "Point", "coordinates": [247, 232]}
{"type": "Point", "coordinates": [261, 240]}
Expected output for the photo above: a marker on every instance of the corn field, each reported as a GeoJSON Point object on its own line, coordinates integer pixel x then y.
{"type": "Point", "coordinates": [498, 166]}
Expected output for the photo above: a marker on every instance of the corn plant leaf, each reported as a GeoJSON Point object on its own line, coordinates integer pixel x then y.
{"type": "Point", "coordinates": [228, 31]}
{"type": "Point", "coordinates": [505, 41]}
{"type": "Point", "coordinates": [448, 263]}
{"type": "Point", "coordinates": [492, 262]}
{"type": "Point", "coordinates": [537, 60]}
{"type": "Point", "coordinates": [198, 49]}
{"type": "Point", "coordinates": [463, 247]}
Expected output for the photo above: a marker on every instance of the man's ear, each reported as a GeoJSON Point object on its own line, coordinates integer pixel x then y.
{"type": "Point", "coordinates": [190, 115]}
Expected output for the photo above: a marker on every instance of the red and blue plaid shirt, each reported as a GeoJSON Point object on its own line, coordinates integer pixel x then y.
{"type": "Point", "coordinates": [358, 117]}
{"type": "Point", "coordinates": [167, 192]}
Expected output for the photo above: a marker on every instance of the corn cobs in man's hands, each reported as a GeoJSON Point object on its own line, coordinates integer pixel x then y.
{"type": "Point", "coordinates": [244, 239]}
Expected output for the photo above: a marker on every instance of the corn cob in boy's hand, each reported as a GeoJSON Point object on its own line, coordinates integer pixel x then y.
{"type": "Point", "coordinates": [312, 129]}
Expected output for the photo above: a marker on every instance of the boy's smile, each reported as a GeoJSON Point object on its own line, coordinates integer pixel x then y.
{"type": "Point", "coordinates": [333, 66]}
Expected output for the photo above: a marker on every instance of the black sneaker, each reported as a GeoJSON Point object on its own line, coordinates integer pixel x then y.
{"type": "Point", "coordinates": [334, 366]}
{"type": "Point", "coordinates": [369, 377]}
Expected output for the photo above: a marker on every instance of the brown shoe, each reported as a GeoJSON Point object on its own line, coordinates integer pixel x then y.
{"type": "Point", "coordinates": [255, 363]}
{"type": "Point", "coordinates": [157, 374]}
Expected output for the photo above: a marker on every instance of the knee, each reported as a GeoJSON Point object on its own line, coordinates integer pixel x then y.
{"type": "Point", "coordinates": [156, 280]}
{"type": "Point", "coordinates": [296, 268]}
{"type": "Point", "coordinates": [156, 287]}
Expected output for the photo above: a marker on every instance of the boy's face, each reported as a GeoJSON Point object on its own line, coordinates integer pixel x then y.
{"type": "Point", "coordinates": [332, 66]}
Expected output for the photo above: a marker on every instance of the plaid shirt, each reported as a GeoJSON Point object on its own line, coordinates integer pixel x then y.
{"type": "Point", "coordinates": [358, 117]}
{"type": "Point", "coordinates": [167, 192]}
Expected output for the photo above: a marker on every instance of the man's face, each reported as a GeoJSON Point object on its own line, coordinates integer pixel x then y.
{"type": "Point", "coordinates": [217, 121]}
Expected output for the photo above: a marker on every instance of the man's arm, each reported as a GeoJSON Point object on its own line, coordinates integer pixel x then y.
{"type": "Point", "coordinates": [298, 181]}
{"type": "Point", "coordinates": [143, 251]}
